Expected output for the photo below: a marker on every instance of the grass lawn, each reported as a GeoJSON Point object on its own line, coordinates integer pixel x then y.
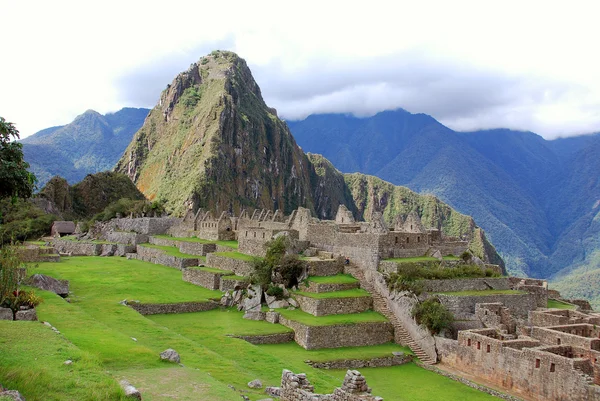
{"type": "Point", "coordinates": [237, 255]}
{"type": "Point", "coordinates": [337, 279]}
{"type": "Point", "coordinates": [90, 241]}
{"type": "Point", "coordinates": [294, 351]}
{"type": "Point", "coordinates": [230, 244]}
{"type": "Point", "coordinates": [553, 303]}
{"type": "Point", "coordinates": [310, 320]}
{"type": "Point", "coordinates": [102, 331]}
{"type": "Point", "coordinates": [353, 293]}
{"type": "Point", "coordinates": [39, 371]}
{"type": "Point", "coordinates": [421, 259]}
{"type": "Point", "coordinates": [482, 293]}
{"type": "Point", "coordinates": [235, 277]}
{"type": "Point", "coordinates": [213, 270]}
{"type": "Point", "coordinates": [174, 251]}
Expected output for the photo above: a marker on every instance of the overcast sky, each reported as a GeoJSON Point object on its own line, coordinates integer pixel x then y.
{"type": "Point", "coordinates": [529, 65]}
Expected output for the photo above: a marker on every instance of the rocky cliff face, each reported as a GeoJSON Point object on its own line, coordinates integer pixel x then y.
{"type": "Point", "coordinates": [212, 142]}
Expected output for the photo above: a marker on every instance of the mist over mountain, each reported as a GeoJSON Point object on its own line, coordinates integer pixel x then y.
{"type": "Point", "coordinates": [91, 143]}
{"type": "Point", "coordinates": [538, 200]}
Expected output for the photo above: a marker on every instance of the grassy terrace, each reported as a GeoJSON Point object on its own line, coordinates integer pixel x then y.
{"type": "Point", "coordinates": [96, 333]}
{"type": "Point", "coordinates": [230, 244]}
{"type": "Point", "coordinates": [483, 293]}
{"type": "Point", "coordinates": [236, 255]}
{"type": "Point", "coordinates": [421, 259]}
{"type": "Point", "coordinates": [354, 293]}
{"type": "Point", "coordinates": [173, 251]}
{"type": "Point", "coordinates": [553, 303]}
{"type": "Point", "coordinates": [337, 279]}
{"type": "Point", "coordinates": [298, 316]}
{"type": "Point", "coordinates": [213, 270]}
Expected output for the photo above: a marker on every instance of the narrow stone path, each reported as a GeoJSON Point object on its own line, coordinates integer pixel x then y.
{"type": "Point", "coordinates": [380, 304]}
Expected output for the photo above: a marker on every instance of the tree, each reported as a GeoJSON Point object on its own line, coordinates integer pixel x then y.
{"type": "Point", "coordinates": [15, 180]}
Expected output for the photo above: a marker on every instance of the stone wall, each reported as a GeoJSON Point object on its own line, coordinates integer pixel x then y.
{"type": "Point", "coordinates": [279, 338]}
{"type": "Point", "coordinates": [239, 267]}
{"type": "Point", "coordinates": [401, 305]}
{"type": "Point", "coordinates": [532, 372]}
{"type": "Point", "coordinates": [182, 307]}
{"type": "Point", "coordinates": [77, 248]}
{"type": "Point", "coordinates": [230, 284]}
{"type": "Point", "coordinates": [467, 284]}
{"type": "Point", "coordinates": [343, 335]}
{"type": "Point", "coordinates": [122, 237]}
{"type": "Point", "coordinates": [334, 306]}
{"type": "Point", "coordinates": [157, 256]}
{"type": "Point", "coordinates": [196, 248]}
{"type": "Point", "coordinates": [556, 317]}
{"type": "Point", "coordinates": [205, 279]}
{"type": "Point", "coordinates": [37, 254]}
{"type": "Point", "coordinates": [147, 225]}
{"type": "Point", "coordinates": [562, 335]}
{"type": "Point", "coordinates": [463, 307]}
{"type": "Point", "coordinates": [327, 287]}
{"type": "Point", "coordinates": [124, 249]}
{"type": "Point", "coordinates": [298, 388]}
{"type": "Point", "coordinates": [327, 267]}
{"type": "Point", "coordinates": [380, 362]}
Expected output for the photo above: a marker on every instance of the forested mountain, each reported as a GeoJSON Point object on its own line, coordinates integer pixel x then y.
{"type": "Point", "coordinates": [538, 200]}
{"type": "Point", "coordinates": [91, 143]}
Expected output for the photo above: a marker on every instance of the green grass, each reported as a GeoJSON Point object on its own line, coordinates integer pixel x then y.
{"type": "Point", "coordinates": [310, 320]}
{"type": "Point", "coordinates": [230, 244]}
{"type": "Point", "coordinates": [353, 293]}
{"type": "Point", "coordinates": [421, 259]}
{"type": "Point", "coordinates": [482, 293]}
{"type": "Point", "coordinates": [235, 277]}
{"type": "Point", "coordinates": [40, 243]}
{"type": "Point", "coordinates": [553, 303]}
{"type": "Point", "coordinates": [174, 251]}
{"type": "Point", "coordinates": [337, 279]}
{"type": "Point", "coordinates": [293, 350]}
{"type": "Point", "coordinates": [236, 255]}
{"type": "Point", "coordinates": [98, 326]}
{"type": "Point", "coordinates": [39, 372]}
{"type": "Point", "coordinates": [90, 241]}
{"type": "Point", "coordinates": [213, 270]}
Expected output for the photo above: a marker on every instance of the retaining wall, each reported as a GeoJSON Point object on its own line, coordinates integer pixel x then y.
{"type": "Point", "coordinates": [334, 306]}
{"type": "Point", "coordinates": [384, 361]}
{"type": "Point", "coordinates": [278, 338]}
{"type": "Point", "coordinates": [182, 307]}
{"type": "Point", "coordinates": [228, 284]}
{"type": "Point", "coordinates": [467, 284]}
{"type": "Point", "coordinates": [343, 335]}
{"type": "Point", "coordinates": [328, 267]}
{"type": "Point", "coordinates": [463, 307]}
{"type": "Point", "coordinates": [147, 225]}
{"type": "Point", "coordinates": [239, 267]}
{"type": "Point", "coordinates": [157, 256]}
{"type": "Point", "coordinates": [77, 248]}
{"type": "Point", "coordinates": [205, 279]}
{"type": "Point", "coordinates": [326, 287]}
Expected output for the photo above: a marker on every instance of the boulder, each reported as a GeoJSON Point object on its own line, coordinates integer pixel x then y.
{"type": "Point", "coordinates": [252, 302]}
{"type": "Point", "coordinates": [476, 261]}
{"type": "Point", "coordinates": [43, 282]}
{"type": "Point", "coordinates": [437, 254]}
{"type": "Point", "coordinates": [170, 355]}
{"type": "Point", "coordinates": [6, 314]}
{"type": "Point", "coordinates": [129, 390]}
{"type": "Point", "coordinates": [273, 303]}
{"type": "Point", "coordinates": [227, 299]}
{"type": "Point", "coordinates": [293, 302]}
{"type": "Point", "coordinates": [255, 384]}
{"type": "Point", "coordinates": [29, 315]}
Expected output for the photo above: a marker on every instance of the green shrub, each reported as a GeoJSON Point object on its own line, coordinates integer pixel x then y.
{"type": "Point", "coordinates": [261, 273]}
{"type": "Point", "coordinates": [286, 269]}
{"type": "Point", "coordinates": [290, 269]}
{"type": "Point", "coordinates": [275, 291]}
{"type": "Point", "coordinates": [433, 315]}
{"type": "Point", "coordinates": [21, 220]}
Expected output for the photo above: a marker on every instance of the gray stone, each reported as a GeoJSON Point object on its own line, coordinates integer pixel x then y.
{"type": "Point", "coordinates": [129, 390]}
{"type": "Point", "coordinates": [6, 314]}
{"type": "Point", "coordinates": [29, 315]}
{"type": "Point", "coordinates": [293, 302]}
{"type": "Point", "coordinates": [170, 355]}
{"type": "Point", "coordinates": [255, 384]}
{"type": "Point", "coordinates": [252, 302]}
{"type": "Point", "coordinates": [12, 394]}
{"type": "Point", "coordinates": [273, 303]}
{"type": "Point", "coordinates": [273, 391]}
{"type": "Point", "coordinates": [438, 255]}
{"type": "Point", "coordinates": [68, 362]}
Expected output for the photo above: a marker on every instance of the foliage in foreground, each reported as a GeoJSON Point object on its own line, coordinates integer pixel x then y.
{"type": "Point", "coordinates": [12, 274]}
{"type": "Point", "coordinates": [433, 315]}
{"type": "Point", "coordinates": [277, 266]}
{"type": "Point", "coordinates": [15, 180]}
{"type": "Point", "coordinates": [21, 220]}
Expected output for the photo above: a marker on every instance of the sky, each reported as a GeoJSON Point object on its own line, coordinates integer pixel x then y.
{"type": "Point", "coordinates": [527, 65]}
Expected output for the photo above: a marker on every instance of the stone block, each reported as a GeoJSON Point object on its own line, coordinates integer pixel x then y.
{"type": "Point", "coordinates": [29, 315]}
{"type": "Point", "coordinates": [6, 314]}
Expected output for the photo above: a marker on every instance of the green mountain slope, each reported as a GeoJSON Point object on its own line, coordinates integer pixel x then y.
{"type": "Point", "coordinates": [533, 197]}
{"type": "Point", "coordinates": [91, 143]}
{"type": "Point", "coordinates": [212, 142]}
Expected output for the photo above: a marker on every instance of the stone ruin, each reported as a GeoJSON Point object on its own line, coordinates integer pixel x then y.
{"type": "Point", "coordinates": [296, 387]}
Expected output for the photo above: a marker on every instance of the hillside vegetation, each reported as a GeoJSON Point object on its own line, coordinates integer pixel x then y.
{"type": "Point", "coordinates": [91, 143]}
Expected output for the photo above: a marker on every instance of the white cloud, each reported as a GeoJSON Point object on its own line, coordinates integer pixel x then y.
{"type": "Point", "coordinates": [471, 64]}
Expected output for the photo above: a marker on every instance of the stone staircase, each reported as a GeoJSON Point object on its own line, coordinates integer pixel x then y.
{"type": "Point", "coordinates": [380, 305]}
